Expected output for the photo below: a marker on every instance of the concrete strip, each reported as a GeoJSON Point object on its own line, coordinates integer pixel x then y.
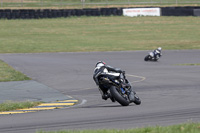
{"type": "Point", "coordinates": [37, 109]}
{"type": "Point", "coordinates": [68, 101]}
{"type": "Point", "coordinates": [33, 91]}
{"type": "Point", "coordinates": [15, 112]}
{"type": "Point", "coordinates": [56, 104]}
{"type": "Point", "coordinates": [29, 90]}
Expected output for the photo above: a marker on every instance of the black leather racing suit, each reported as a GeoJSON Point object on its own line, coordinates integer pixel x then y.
{"type": "Point", "coordinates": [157, 54]}
{"type": "Point", "coordinates": [101, 70]}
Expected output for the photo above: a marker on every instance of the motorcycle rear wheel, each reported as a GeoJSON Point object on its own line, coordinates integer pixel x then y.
{"type": "Point", "coordinates": [119, 98]}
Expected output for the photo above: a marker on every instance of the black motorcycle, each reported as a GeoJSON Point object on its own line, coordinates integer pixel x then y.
{"type": "Point", "coordinates": [119, 89]}
{"type": "Point", "coordinates": [152, 57]}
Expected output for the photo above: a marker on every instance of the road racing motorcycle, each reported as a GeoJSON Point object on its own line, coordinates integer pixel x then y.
{"type": "Point", "coordinates": [118, 89]}
{"type": "Point", "coordinates": [152, 56]}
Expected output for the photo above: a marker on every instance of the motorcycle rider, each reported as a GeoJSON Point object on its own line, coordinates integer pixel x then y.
{"type": "Point", "coordinates": [101, 67]}
{"type": "Point", "coordinates": [157, 53]}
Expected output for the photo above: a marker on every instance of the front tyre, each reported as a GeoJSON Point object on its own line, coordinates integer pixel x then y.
{"type": "Point", "coordinates": [137, 100]}
{"type": "Point", "coordinates": [146, 58]}
{"type": "Point", "coordinates": [119, 98]}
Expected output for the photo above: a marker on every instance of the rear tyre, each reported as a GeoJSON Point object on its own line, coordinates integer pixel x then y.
{"type": "Point", "coordinates": [119, 98]}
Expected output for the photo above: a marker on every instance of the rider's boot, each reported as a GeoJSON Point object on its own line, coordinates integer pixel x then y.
{"type": "Point", "coordinates": [104, 95]}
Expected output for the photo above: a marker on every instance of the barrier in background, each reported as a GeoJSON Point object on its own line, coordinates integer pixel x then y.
{"type": "Point", "coordinates": [88, 3]}
{"type": "Point", "coordinates": [134, 12]}
{"type": "Point", "coordinates": [177, 11]}
{"type": "Point", "coordinates": [53, 13]}
{"type": "Point", "coordinates": [196, 12]}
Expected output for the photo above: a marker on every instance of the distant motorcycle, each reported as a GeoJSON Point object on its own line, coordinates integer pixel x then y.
{"type": "Point", "coordinates": [154, 56]}
{"type": "Point", "coordinates": [151, 57]}
{"type": "Point", "coordinates": [118, 89]}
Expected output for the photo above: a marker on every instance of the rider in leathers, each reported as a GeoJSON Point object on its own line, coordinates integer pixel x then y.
{"type": "Point", "coordinates": [101, 67]}
{"type": "Point", "coordinates": [157, 53]}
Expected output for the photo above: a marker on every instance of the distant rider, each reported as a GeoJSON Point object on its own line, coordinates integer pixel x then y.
{"type": "Point", "coordinates": [101, 67]}
{"type": "Point", "coordinates": [157, 53]}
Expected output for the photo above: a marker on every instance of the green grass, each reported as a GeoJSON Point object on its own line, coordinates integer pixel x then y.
{"type": "Point", "coordinates": [118, 33]}
{"type": "Point", "coordinates": [93, 3]}
{"type": "Point", "coordinates": [197, 64]}
{"type": "Point", "coordinates": [182, 128]}
{"type": "Point", "coordinates": [13, 105]}
{"type": "Point", "coordinates": [7, 73]}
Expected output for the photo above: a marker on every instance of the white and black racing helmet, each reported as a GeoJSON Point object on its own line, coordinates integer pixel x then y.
{"type": "Point", "coordinates": [159, 49]}
{"type": "Point", "coordinates": [100, 64]}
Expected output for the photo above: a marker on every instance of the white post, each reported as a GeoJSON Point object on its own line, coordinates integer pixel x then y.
{"type": "Point", "coordinates": [83, 3]}
{"type": "Point", "coordinates": [21, 3]}
{"type": "Point", "coordinates": [41, 3]}
{"type": "Point", "coordinates": [61, 3]}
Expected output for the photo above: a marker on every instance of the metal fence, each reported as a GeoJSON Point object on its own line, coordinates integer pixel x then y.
{"type": "Point", "coordinates": [89, 3]}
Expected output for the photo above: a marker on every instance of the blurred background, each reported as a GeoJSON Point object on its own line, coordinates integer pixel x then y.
{"type": "Point", "coordinates": [92, 3]}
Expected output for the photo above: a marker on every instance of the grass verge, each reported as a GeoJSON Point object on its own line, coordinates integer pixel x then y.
{"type": "Point", "coordinates": [190, 64]}
{"type": "Point", "coordinates": [182, 128]}
{"type": "Point", "coordinates": [12, 105]}
{"type": "Point", "coordinates": [74, 4]}
{"type": "Point", "coordinates": [7, 73]}
{"type": "Point", "coordinates": [115, 33]}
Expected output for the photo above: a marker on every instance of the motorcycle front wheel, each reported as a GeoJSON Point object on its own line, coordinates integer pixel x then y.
{"type": "Point", "coordinates": [118, 97]}
{"type": "Point", "coordinates": [137, 100]}
{"type": "Point", "coordinates": [146, 58]}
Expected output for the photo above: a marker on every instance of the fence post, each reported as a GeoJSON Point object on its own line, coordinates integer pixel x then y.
{"type": "Point", "coordinates": [21, 3]}
{"type": "Point", "coordinates": [1, 3]}
{"type": "Point", "coordinates": [83, 3]}
{"type": "Point", "coordinates": [61, 3]}
{"type": "Point", "coordinates": [176, 2]}
{"type": "Point", "coordinates": [41, 3]}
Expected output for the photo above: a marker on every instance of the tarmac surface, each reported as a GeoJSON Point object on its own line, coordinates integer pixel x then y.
{"type": "Point", "coordinates": [169, 90]}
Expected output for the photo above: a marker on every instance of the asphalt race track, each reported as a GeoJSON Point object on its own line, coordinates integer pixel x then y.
{"type": "Point", "coordinates": [169, 92]}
